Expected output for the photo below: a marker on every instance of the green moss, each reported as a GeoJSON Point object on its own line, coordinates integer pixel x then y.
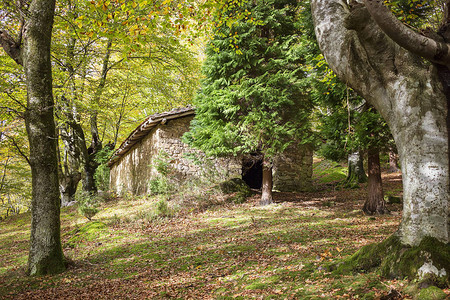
{"type": "Point", "coordinates": [326, 171]}
{"type": "Point", "coordinates": [431, 293]}
{"type": "Point", "coordinates": [87, 232]}
{"type": "Point", "coordinates": [395, 260]}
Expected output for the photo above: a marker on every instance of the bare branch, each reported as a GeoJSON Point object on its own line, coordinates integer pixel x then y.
{"type": "Point", "coordinates": [9, 94]}
{"type": "Point", "coordinates": [407, 38]}
{"type": "Point", "coordinates": [11, 47]}
{"type": "Point", "coordinates": [13, 112]}
{"type": "Point", "coordinates": [14, 142]}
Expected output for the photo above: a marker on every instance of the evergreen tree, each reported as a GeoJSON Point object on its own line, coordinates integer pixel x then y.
{"type": "Point", "coordinates": [253, 99]}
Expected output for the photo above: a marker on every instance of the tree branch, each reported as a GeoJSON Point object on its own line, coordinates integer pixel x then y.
{"type": "Point", "coordinates": [405, 37]}
{"type": "Point", "coordinates": [11, 47]}
{"type": "Point", "coordinates": [13, 141]}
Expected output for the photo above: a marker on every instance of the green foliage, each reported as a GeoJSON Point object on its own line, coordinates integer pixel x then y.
{"type": "Point", "coordinates": [254, 95]}
{"type": "Point", "coordinates": [161, 183]}
{"type": "Point", "coordinates": [101, 175]}
{"type": "Point", "coordinates": [412, 12]}
{"type": "Point", "coordinates": [87, 204]}
{"type": "Point", "coordinates": [162, 163]}
{"type": "Point", "coordinates": [238, 188]}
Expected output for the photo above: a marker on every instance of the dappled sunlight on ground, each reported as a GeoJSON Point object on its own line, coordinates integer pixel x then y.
{"type": "Point", "coordinates": [223, 251]}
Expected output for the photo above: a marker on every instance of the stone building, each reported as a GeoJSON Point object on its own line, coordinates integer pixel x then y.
{"type": "Point", "coordinates": [133, 163]}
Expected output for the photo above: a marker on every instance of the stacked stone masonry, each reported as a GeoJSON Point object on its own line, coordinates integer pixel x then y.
{"type": "Point", "coordinates": [134, 170]}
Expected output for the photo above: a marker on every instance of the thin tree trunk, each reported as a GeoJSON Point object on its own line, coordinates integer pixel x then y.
{"type": "Point", "coordinates": [96, 145]}
{"type": "Point", "coordinates": [393, 161]}
{"type": "Point", "coordinates": [375, 203]}
{"type": "Point", "coordinates": [45, 255]}
{"type": "Point", "coordinates": [267, 183]}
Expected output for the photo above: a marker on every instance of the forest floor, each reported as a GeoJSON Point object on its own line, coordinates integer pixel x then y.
{"type": "Point", "coordinates": [221, 251]}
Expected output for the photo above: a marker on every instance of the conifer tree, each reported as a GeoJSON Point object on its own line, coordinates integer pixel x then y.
{"type": "Point", "coordinates": [253, 99]}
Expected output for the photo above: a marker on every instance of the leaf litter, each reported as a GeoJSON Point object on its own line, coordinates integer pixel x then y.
{"type": "Point", "coordinates": [225, 251]}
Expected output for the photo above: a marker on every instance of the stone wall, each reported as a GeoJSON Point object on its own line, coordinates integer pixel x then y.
{"type": "Point", "coordinates": [136, 168]}
{"type": "Point", "coordinates": [292, 170]}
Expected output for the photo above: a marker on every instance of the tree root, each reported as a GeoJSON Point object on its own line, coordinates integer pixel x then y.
{"type": "Point", "coordinates": [429, 262]}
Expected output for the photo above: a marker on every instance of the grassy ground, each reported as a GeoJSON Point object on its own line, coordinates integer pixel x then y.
{"type": "Point", "coordinates": [224, 251]}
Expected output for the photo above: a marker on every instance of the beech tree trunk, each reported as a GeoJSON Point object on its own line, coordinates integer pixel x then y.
{"type": "Point", "coordinates": [45, 255]}
{"type": "Point", "coordinates": [408, 93]}
{"type": "Point", "coordinates": [375, 203]}
{"type": "Point", "coordinates": [90, 165]}
{"type": "Point", "coordinates": [356, 172]}
{"type": "Point", "coordinates": [68, 184]}
{"type": "Point", "coordinates": [267, 183]}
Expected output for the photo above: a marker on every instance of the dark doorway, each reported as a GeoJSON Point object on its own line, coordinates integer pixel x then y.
{"type": "Point", "coordinates": [252, 171]}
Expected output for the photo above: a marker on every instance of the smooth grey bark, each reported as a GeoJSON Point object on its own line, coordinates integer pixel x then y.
{"type": "Point", "coordinates": [409, 94]}
{"type": "Point", "coordinates": [45, 255]}
{"type": "Point", "coordinates": [267, 183]}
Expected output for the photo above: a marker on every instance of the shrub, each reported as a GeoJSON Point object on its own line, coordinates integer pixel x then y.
{"type": "Point", "coordinates": [101, 175]}
{"type": "Point", "coordinates": [159, 185]}
{"type": "Point", "coordinates": [87, 204]}
{"type": "Point", "coordinates": [237, 187]}
{"type": "Point", "coordinates": [162, 209]}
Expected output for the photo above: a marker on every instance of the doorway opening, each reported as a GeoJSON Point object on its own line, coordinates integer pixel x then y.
{"type": "Point", "coordinates": [252, 170]}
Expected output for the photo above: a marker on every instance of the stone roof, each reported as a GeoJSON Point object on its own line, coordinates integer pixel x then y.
{"type": "Point", "coordinates": [145, 127]}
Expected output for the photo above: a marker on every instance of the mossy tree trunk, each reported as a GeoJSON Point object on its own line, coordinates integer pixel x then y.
{"type": "Point", "coordinates": [45, 255]}
{"type": "Point", "coordinates": [375, 203]}
{"type": "Point", "coordinates": [356, 174]}
{"type": "Point", "coordinates": [267, 183]}
{"type": "Point", "coordinates": [364, 45]}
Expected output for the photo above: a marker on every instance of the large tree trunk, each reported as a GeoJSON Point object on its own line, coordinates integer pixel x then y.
{"type": "Point", "coordinates": [375, 203]}
{"type": "Point", "coordinates": [267, 183]}
{"type": "Point", "coordinates": [408, 93]}
{"type": "Point", "coordinates": [356, 174]}
{"type": "Point", "coordinates": [45, 246]}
